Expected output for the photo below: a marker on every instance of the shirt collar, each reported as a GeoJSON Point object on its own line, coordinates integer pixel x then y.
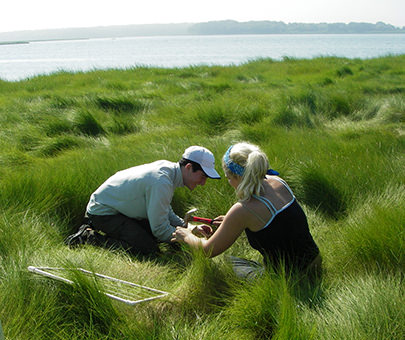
{"type": "Point", "coordinates": [178, 177]}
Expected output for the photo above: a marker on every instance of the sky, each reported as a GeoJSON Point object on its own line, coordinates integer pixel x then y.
{"type": "Point", "coordinates": [20, 15]}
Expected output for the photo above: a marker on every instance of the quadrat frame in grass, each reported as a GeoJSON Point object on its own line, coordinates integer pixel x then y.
{"type": "Point", "coordinates": [120, 290]}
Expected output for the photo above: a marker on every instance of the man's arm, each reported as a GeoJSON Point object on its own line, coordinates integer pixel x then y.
{"type": "Point", "coordinates": [174, 219]}
{"type": "Point", "coordinates": [158, 200]}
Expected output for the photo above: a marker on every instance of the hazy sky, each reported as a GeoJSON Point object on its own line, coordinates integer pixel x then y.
{"type": "Point", "coordinates": [18, 15]}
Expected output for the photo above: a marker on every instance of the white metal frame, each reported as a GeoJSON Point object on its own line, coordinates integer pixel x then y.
{"type": "Point", "coordinates": [45, 272]}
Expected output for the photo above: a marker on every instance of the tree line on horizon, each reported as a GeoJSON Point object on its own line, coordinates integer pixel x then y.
{"type": "Point", "coordinates": [203, 28]}
{"type": "Point", "coordinates": [279, 27]}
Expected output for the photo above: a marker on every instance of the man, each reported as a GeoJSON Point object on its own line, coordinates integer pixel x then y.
{"type": "Point", "coordinates": [132, 209]}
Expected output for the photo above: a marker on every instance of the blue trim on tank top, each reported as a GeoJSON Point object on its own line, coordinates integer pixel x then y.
{"type": "Point", "coordinates": [270, 205]}
{"type": "Point", "coordinates": [265, 201]}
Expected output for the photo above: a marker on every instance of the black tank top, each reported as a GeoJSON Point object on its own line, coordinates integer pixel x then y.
{"type": "Point", "coordinates": [286, 237]}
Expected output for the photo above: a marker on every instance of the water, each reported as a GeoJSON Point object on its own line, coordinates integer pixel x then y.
{"type": "Point", "coordinates": [26, 60]}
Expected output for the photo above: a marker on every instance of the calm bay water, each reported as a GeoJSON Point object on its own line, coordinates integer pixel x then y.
{"type": "Point", "coordinates": [20, 61]}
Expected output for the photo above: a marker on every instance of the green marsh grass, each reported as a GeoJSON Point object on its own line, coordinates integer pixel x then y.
{"type": "Point", "coordinates": [373, 236]}
{"type": "Point", "coordinates": [333, 128]}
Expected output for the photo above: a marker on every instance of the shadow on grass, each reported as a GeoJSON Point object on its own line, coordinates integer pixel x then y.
{"type": "Point", "coordinates": [317, 191]}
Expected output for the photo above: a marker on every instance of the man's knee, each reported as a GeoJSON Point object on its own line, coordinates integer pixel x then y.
{"type": "Point", "coordinates": [128, 233]}
{"type": "Point", "coordinates": [141, 240]}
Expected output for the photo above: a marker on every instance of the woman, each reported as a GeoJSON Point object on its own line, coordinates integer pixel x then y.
{"type": "Point", "coordinates": [267, 211]}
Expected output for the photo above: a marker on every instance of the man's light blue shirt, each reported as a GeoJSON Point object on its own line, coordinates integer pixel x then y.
{"type": "Point", "coordinates": [142, 192]}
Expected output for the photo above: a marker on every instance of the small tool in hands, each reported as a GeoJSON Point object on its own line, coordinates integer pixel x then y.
{"type": "Point", "coordinates": [204, 230]}
{"type": "Point", "coordinates": [189, 217]}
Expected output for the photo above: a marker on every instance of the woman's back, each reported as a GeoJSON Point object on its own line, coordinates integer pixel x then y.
{"type": "Point", "coordinates": [275, 196]}
{"type": "Point", "coordinates": [278, 226]}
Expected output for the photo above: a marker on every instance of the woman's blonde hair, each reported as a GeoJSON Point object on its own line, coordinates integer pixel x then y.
{"type": "Point", "coordinates": [250, 163]}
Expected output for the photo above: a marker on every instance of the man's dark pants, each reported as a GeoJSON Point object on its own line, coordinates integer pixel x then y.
{"type": "Point", "coordinates": [124, 232]}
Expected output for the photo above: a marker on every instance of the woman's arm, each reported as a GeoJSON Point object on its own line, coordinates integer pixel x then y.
{"type": "Point", "coordinates": [227, 233]}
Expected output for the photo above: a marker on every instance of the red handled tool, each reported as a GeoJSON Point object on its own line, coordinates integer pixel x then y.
{"type": "Point", "coordinates": [202, 219]}
{"type": "Point", "coordinates": [188, 216]}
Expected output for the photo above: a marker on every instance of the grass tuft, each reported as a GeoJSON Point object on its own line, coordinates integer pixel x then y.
{"type": "Point", "coordinates": [344, 71]}
{"type": "Point", "coordinates": [213, 118]}
{"type": "Point", "coordinates": [373, 237]}
{"type": "Point", "coordinates": [121, 104]}
{"type": "Point", "coordinates": [85, 123]}
{"type": "Point", "coordinates": [318, 192]}
{"type": "Point", "coordinates": [204, 287]}
{"type": "Point", "coordinates": [58, 145]}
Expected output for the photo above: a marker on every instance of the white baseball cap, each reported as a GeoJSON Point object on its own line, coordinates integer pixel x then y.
{"type": "Point", "coordinates": [204, 157]}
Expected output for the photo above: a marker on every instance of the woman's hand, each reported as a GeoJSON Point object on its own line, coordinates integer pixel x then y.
{"type": "Point", "coordinates": [203, 230]}
{"type": "Point", "coordinates": [217, 221]}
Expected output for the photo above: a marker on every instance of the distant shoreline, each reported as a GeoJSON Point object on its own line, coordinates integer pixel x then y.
{"type": "Point", "coordinates": [14, 42]}
{"type": "Point", "coordinates": [226, 27]}
{"type": "Point", "coordinates": [39, 40]}
{"type": "Point", "coordinates": [162, 35]}
{"type": "Point", "coordinates": [2, 43]}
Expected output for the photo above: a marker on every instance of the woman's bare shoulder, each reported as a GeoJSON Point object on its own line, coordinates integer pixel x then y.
{"type": "Point", "coordinates": [237, 211]}
{"type": "Point", "coordinates": [236, 208]}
